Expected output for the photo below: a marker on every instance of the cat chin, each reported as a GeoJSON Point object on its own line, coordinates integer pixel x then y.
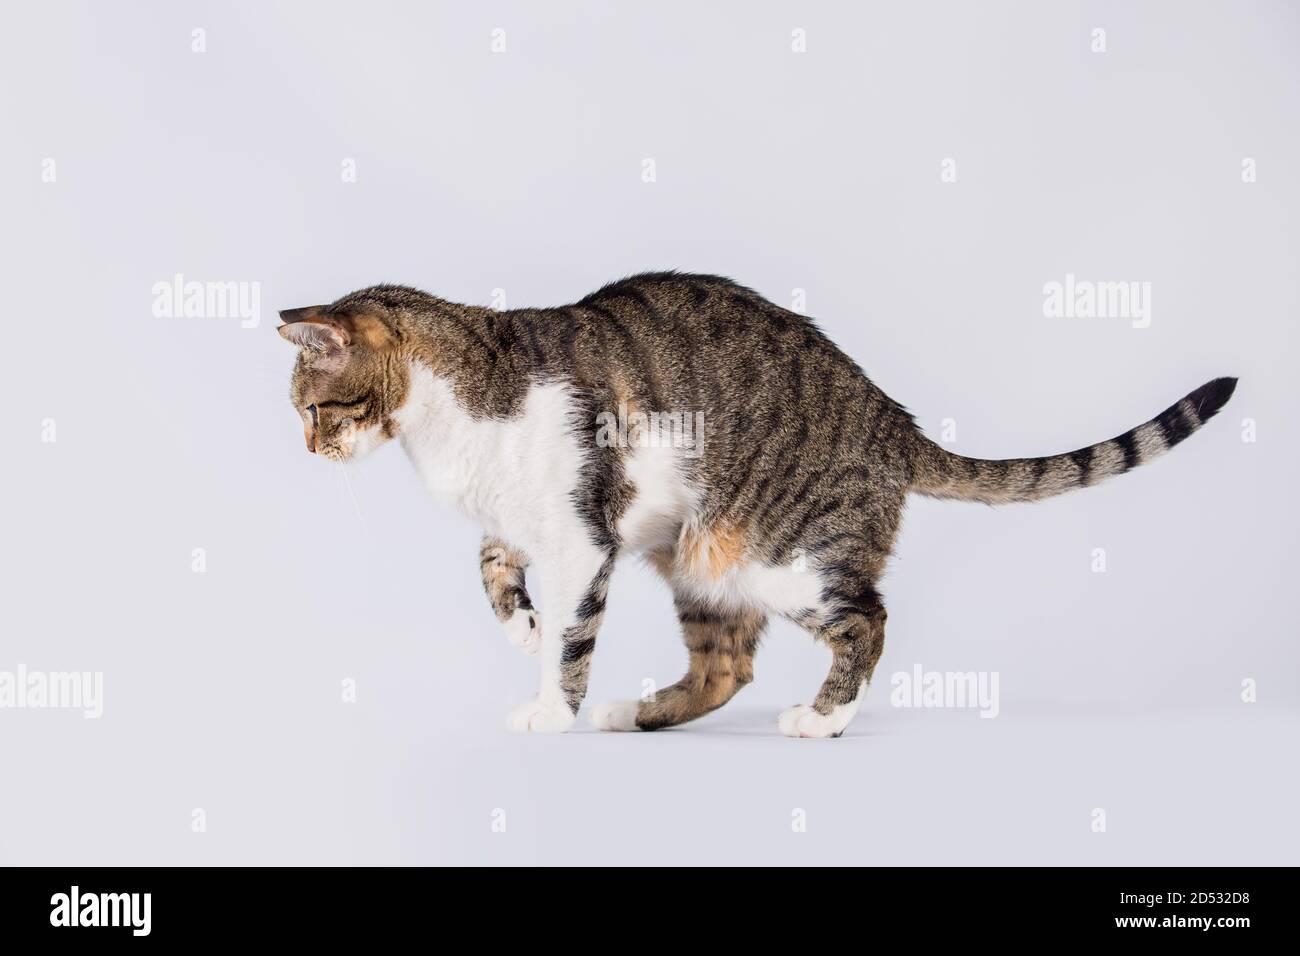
{"type": "Point", "coordinates": [361, 446]}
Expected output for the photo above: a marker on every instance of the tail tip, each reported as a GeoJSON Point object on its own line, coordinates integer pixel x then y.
{"type": "Point", "coordinates": [1212, 396]}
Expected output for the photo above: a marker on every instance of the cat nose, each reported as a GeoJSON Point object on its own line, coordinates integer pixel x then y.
{"type": "Point", "coordinates": [310, 430]}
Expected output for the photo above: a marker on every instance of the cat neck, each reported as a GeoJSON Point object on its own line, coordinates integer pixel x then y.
{"type": "Point", "coordinates": [429, 411]}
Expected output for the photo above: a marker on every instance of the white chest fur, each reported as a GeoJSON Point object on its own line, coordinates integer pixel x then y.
{"type": "Point", "coordinates": [513, 475]}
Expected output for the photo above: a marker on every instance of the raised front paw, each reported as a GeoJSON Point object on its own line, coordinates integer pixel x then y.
{"type": "Point", "coordinates": [524, 630]}
{"type": "Point", "coordinates": [541, 717]}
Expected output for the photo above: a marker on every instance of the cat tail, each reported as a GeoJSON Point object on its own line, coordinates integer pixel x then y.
{"type": "Point", "coordinates": [939, 473]}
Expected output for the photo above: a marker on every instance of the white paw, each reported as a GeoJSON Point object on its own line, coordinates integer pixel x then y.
{"type": "Point", "coordinates": [615, 715]}
{"type": "Point", "coordinates": [802, 721]}
{"type": "Point", "coordinates": [524, 631]}
{"type": "Point", "coordinates": [541, 717]}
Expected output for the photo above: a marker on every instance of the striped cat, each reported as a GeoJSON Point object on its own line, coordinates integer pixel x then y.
{"type": "Point", "coordinates": [547, 425]}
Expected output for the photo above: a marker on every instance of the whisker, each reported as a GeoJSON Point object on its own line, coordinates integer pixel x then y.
{"type": "Point", "coordinates": [352, 494]}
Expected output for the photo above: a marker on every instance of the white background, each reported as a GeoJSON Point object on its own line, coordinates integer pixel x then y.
{"type": "Point", "coordinates": [522, 171]}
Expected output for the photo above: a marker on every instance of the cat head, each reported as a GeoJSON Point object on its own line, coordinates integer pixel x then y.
{"type": "Point", "coordinates": [350, 378]}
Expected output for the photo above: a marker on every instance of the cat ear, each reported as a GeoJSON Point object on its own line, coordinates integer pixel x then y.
{"type": "Point", "coordinates": [314, 328]}
{"type": "Point", "coordinates": [308, 329]}
{"type": "Point", "coordinates": [297, 315]}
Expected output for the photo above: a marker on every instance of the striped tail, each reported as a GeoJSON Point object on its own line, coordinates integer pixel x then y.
{"type": "Point", "coordinates": [941, 474]}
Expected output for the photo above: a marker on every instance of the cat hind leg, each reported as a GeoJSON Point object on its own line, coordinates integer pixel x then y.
{"type": "Point", "coordinates": [721, 646]}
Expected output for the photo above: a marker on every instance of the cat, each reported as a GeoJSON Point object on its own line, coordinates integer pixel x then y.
{"type": "Point", "coordinates": [545, 425]}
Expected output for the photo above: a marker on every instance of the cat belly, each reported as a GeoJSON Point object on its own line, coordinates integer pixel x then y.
{"type": "Point", "coordinates": [792, 591]}
{"type": "Point", "coordinates": [661, 501]}
{"type": "Point", "coordinates": [658, 520]}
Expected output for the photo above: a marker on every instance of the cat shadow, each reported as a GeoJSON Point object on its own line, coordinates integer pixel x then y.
{"type": "Point", "coordinates": [753, 721]}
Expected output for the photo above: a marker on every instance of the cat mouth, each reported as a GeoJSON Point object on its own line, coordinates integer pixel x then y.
{"type": "Point", "coordinates": [333, 452]}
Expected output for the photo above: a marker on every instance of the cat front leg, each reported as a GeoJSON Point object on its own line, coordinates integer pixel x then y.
{"type": "Point", "coordinates": [503, 570]}
{"type": "Point", "coordinates": [577, 581]}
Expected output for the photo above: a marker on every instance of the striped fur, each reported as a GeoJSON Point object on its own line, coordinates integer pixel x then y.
{"type": "Point", "coordinates": [722, 647]}
{"type": "Point", "coordinates": [503, 570]}
{"type": "Point", "coordinates": [940, 474]}
{"type": "Point", "coordinates": [579, 639]}
{"type": "Point", "coordinates": [789, 507]}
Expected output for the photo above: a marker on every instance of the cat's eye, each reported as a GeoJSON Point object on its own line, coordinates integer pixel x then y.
{"type": "Point", "coordinates": [311, 410]}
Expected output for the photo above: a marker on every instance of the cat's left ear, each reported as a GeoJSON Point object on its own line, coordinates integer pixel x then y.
{"type": "Point", "coordinates": [308, 329]}
{"type": "Point", "coordinates": [312, 328]}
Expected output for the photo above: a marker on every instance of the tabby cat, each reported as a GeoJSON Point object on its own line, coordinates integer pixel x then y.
{"type": "Point", "coordinates": [776, 489]}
